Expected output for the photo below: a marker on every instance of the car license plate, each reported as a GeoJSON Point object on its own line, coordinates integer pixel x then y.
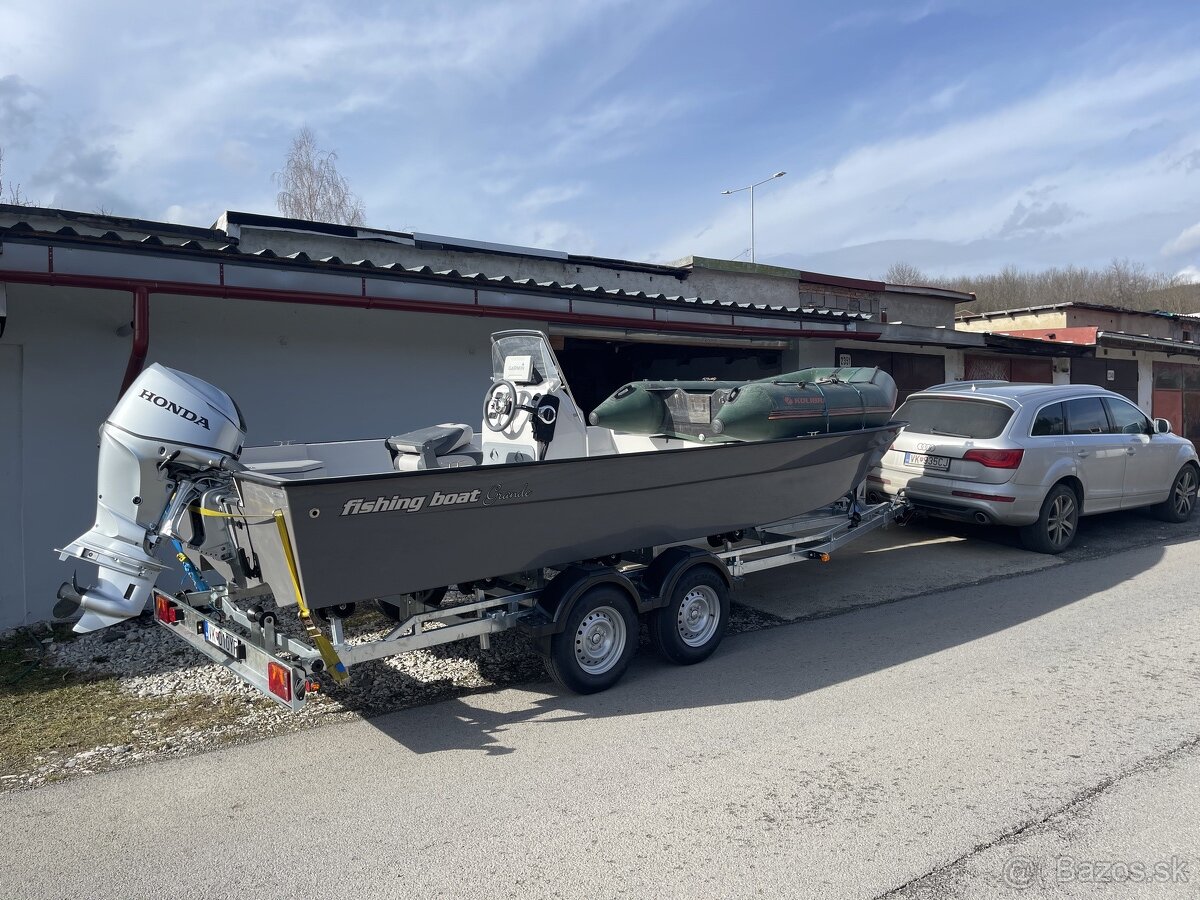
{"type": "Point", "coordinates": [224, 640]}
{"type": "Point", "coordinates": [925, 461]}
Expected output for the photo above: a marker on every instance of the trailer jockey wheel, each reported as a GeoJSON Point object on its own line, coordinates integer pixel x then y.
{"type": "Point", "coordinates": [597, 643]}
{"type": "Point", "coordinates": [500, 405]}
{"type": "Point", "coordinates": [688, 629]}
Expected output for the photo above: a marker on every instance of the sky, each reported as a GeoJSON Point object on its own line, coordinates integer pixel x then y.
{"type": "Point", "coordinates": [957, 137]}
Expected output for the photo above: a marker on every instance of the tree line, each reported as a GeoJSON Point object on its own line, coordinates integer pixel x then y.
{"type": "Point", "coordinates": [1120, 283]}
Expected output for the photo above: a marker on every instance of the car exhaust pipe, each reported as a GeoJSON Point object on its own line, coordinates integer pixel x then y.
{"type": "Point", "coordinates": [981, 518]}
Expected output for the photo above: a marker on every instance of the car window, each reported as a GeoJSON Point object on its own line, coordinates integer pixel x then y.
{"type": "Point", "coordinates": [1086, 416]}
{"type": "Point", "coordinates": [954, 417]}
{"type": "Point", "coordinates": [1049, 420]}
{"type": "Point", "coordinates": [1126, 418]}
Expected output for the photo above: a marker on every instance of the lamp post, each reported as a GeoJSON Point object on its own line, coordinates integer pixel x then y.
{"type": "Point", "coordinates": [750, 188]}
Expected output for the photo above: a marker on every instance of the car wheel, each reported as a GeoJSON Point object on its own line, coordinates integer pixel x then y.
{"type": "Point", "coordinates": [1182, 500]}
{"type": "Point", "coordinates": [1055, 528]}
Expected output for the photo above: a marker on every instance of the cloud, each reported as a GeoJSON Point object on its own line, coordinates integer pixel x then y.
{"type": "Point", "coordinates": [550, 195]}
{"type": "Point", "coordinates": [238, 156]}
{"type": "Point", "coordinates": [955, 182]}
{"type": "Point", "coordinates": [1184, 242]}
{"type": "Point", "coordinates": [897, 12]}
{"type": "Point", "coordinates": [613, 128]}
{"type": "Point", "coordinates": [942, 100]}
{"type": "Point", "coordinates": [1190, 274]}
{"type": "Point", "coordinates": [191, 213]}
{"type": "Point", "coordinates": [1037, 215]}
{"type": "Point", "coordinates": [76, 162]}
{"type": "Point", "coordinates": [18, 108]}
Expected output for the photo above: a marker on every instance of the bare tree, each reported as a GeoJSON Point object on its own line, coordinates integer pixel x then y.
{"type": "Point", "coordinates": [904, 273]}
{"type": "Point", "coordinates": [1121, 283]}
{"type": "Point", "coordinates": [311, 188]}
{"type": "Point", "coordinates": [11, 193]}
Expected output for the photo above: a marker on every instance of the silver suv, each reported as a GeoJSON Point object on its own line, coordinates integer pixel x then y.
{"type": "Point", "coordinates": [1035, 456]}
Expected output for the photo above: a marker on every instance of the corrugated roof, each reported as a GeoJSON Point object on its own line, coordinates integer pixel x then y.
{"type": "Point", "coordinates": [1071, 304]}
{"type": "Point", "coordinates": [137, 236]}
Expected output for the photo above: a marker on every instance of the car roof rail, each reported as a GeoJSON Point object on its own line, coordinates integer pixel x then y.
{"type": "Point", "coordinates": [966, 385]}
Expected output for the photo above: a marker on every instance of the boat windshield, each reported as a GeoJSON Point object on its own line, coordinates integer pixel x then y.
{"type": "Point", "coordinates": [523, 359]}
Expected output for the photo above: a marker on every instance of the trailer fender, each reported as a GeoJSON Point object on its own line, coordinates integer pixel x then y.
{"type": "Point", "coordinates": [561, 595]}
{"type": "Point", "coordinates": [668, 567]}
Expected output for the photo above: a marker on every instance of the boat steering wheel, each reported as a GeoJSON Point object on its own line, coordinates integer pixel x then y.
{"type": "Point", "coordinates": [500, 405]}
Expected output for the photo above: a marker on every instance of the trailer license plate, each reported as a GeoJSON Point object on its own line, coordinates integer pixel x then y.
{"type": "Point", "coordinates": [925, 461]}
{"type": "Point", "coordinates": [224, 640]}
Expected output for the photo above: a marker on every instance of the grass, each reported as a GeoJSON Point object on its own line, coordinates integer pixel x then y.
{"type": "Point", "coordinates": [49, 713]}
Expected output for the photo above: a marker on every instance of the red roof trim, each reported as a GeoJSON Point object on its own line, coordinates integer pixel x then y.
{"type": "Point", "coordinates": [1078, 334]}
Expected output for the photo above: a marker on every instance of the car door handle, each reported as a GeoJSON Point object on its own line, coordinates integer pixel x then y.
{"type": "Point", "coordinates": [1083, 454]}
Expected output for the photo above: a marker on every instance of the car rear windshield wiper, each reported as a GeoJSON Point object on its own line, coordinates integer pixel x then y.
{"type": "Point", "coordinates": [946, 433]}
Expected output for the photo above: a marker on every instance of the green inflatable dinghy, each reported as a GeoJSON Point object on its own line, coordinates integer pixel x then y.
{"type": "Point", "coordinates": [810, 401]}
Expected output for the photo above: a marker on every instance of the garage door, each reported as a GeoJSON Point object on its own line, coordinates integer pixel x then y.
{"type": "Point", "coordinates": [12, 555]}
{"type": "Point", "coordinates": [911, 371]}
{"type": "Point", "coordinates": [1017, 369]}
{"type": "Point", "coordinates": [1120, 375]}
{"type": "Point", "coordinates": [1177, 397]}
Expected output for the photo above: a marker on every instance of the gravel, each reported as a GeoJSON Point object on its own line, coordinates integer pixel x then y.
{"type": "Point", "coordinates": [144, 661]}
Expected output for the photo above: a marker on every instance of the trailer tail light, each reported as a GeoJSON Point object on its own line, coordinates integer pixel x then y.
{"type": "Point", "coordinates": [279, 681]}
{"type": "Point", "coordinates": [995, 459]}
{"type": "Point", "coordinates": [166, 611]}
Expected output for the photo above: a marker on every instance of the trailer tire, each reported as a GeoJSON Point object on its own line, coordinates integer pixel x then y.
{"type": "Point", "coordinates": [597, 643]}
{"type": "Point", "coordinates": [691, 625]}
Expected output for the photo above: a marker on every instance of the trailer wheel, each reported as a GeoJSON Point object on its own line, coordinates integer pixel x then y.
{"type": "Point", "coordinates": [597, 642]}
{"type": "Point", "coordinates": [688, 629]}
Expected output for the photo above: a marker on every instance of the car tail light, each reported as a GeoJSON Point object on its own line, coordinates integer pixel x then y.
{"type": "Point", "coordinates": [279, 681]}
{"type": "Point", "coordinates": [165, 610]}
{"type": "Point", "coordinates": [995, 459]}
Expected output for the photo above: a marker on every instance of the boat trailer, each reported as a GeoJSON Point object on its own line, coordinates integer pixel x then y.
{"type": "Point", "coordinates": [582, 618]}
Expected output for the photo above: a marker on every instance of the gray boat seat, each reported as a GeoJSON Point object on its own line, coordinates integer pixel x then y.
{"type": "Point", "coordinates": [434, 448]}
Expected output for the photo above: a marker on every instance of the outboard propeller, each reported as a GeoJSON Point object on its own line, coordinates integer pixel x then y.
{"type": "Point", "coordinates": [69, 598]}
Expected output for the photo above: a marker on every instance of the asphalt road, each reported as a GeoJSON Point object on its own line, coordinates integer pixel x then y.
{"type": "Point", "coordinates": [913, 748]}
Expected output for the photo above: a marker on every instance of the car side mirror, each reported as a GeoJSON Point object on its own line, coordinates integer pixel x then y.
{"type": "Point", "coordinates": [1162, 426]}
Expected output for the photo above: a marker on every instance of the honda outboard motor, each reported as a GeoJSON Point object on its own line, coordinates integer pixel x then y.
{"type": "Point", "coordinates": [170, 436]}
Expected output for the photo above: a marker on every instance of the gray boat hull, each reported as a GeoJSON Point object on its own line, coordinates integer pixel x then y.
{"type": "Point", "coordinates": [361, 537]}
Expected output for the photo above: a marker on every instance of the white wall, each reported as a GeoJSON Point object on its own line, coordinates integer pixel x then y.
{"type": "Point", "coordinates": [12, 559]}
{"type": "Point", "coordinates": [298, 373]}
{"type": "Point", "coordinates": [814, 353]}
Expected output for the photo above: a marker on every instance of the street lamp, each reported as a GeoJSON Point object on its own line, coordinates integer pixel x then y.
{"type": "Point", "coordinates": [750, 188]}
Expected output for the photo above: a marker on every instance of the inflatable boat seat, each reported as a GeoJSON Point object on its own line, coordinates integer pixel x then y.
{"type": "Point", "coordinates": [434, 448]}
